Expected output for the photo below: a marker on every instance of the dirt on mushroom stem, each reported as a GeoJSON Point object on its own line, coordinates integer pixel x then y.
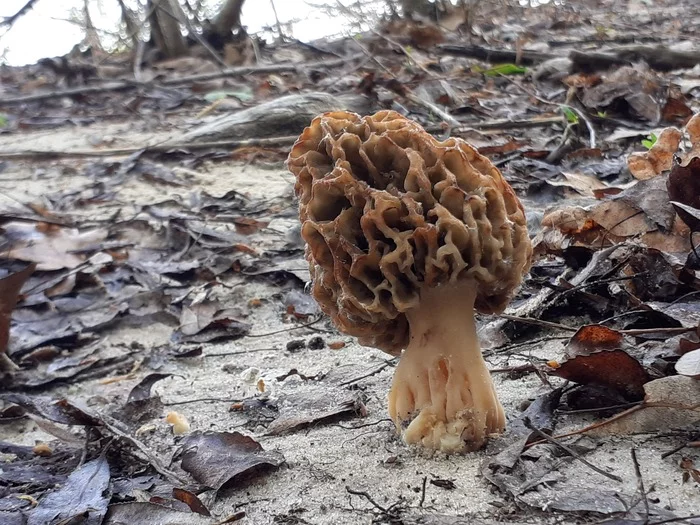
{"type": "Point", "coordinates": [442, 396]}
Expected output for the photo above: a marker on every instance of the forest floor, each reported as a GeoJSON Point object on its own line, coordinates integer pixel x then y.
{"type": "Point", "coordinates": [167, 286]}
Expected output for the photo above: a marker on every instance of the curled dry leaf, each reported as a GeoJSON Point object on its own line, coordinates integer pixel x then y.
{"type": "Point", "coordinates": [314, 406]}
{"type": "Point", "coordinates": [595, 356]}
{"type": "Point", "coordinates": [216, 459]}
{"type": "Point", "coordinates": [142, 390]}
{"type": "Point", "coordinates": [658, 159]}
{"type": "Point", "coordinates": [58, 411]}
{"type": "Point", "coordinates": [689, 364]}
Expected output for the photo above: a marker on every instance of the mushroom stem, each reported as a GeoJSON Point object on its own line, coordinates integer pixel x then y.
{"type": "Point", "coordinates": [442, 396]}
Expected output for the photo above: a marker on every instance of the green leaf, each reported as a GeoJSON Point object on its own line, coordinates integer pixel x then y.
{"type": "Point", "coordinates": [570, 114]}
{"type": "Point", "coordinates": [244, 95]}
{"type": "Point", "coordinates": [602, 114]}
{"type": "Point", "coordinates": [505, 69]}
{"type": "Point", "coordinates": [649, 141]}
{"type": "Point", "coordinates": [4, 120]}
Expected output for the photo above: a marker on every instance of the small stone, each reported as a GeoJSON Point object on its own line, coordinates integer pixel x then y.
{"type": "Point", "coordinates": [316, 343]}
{"type": "Point", "coordinates": [295, 345]}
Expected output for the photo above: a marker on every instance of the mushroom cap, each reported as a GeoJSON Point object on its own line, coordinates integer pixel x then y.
{"type": "Point", "coordinates": [386, 209]}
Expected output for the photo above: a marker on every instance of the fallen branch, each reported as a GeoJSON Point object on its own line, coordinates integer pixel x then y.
{"type": "Point", "coordinates": [224, 73]}
{"type": "Point", "coordinates": [157, 148]}
{"type": "Point", "coordinates": [659, 57]}
{"type": "Point", "coordinates": [496, 55]}
{"type": "Point", "coordinates": [285, 140]}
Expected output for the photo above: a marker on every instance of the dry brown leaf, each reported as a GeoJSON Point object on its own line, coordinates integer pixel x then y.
{"type": "Point", "coordinates": [50, 246]}
{"type": "Point", "coordinates": [621, 219]}
{"type": "Point", "coordinates": [658, 159]}
{"type": "Point", "coordinates": [595, 356]}
{"type": "Point", "coordinates": [583, 184]}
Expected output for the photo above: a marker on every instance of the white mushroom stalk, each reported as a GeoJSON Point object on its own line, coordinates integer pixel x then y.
{"type": "Point", "coordinates": [442, 396]}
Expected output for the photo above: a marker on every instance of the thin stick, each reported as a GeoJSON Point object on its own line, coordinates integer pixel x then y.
{"type": "Point", "coordinates": [367, 497]}
{"type": "Point", "coordinates": [157, 148]}
{"type": "Point", "coordinates": [306, 325]}
{"type": "Point", "coordinates": [112, 425]}
{"type": "Point", "coordinates": [225, 73]}
{"type": "Point", "coordinates": [390, 362]}
{"type": "Point", "coordinates": [569, 450]}
{"type": "Point", "coordinates": [640, 484]}
{"type": "Point", "coordinates": [538, 322]}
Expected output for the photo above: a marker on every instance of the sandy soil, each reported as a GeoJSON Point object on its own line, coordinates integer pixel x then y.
{"type": "Point", "coordinates": [321, 461]}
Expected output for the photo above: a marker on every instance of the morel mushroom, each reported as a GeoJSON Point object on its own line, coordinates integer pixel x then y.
{"type": "Point", "coordinates": [406, 237]}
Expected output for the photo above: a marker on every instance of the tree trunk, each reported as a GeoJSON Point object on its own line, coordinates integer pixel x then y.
{"type": "Point", "coordinates": [228, 19]}
{"type": "Point", "coordinates": [164, 18]}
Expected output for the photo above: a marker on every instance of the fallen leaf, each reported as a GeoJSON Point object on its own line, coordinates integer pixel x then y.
{"type": "Point", "coordinates": [595, 356]}
{"type": "Point", "coordinates": [191, 500]}
{"type": "Point", "coordinates": [658, 159]}
{"type": "Point", "coordinates": [540, 413]}
{"type": "Point", "coordinates": [219, 459]}
{"type": "Point", "coordinates": [142, 390]}
{"type": "Point", "coordinates": [58, 411]}
{"type": "Point", "coordinates": [301, 304]}
{"type": "Point", "coordinates": [581, 183]}
{"type": "Point", "coordinates": [146, 512]}
{"type": "Point", "coordinates": [314, 406]}
{"type": "Point", "coordinates": [52, 248]}
{"type": "Point", "coordinates": [689, 364]}
{"type": "Point", "coordinates": [85, 496]}
{"type": "Point", "coordinates": [247, 225]}
{"type": "Point", "coordinates": [633, 88]}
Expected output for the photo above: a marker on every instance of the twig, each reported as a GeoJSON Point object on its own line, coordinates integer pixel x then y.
{"type": "Point", "coordinates": [568, 450]}
{"type": "Point", "coordinates": [10, 20]}
{"type": "Point", "coordinates": [538, 322]}
{"type": "Point", "coordinates": [506, 348]}
{"type": "Point", "coordinates": [601, 281]}
{"type": "Point", "coordinates": [690, 444]}
{"type": "Point", "coordinates": [422, 492]}
{"type": "Point", "coordinates": [241, 352]}
{"type": "Point", "coordinates": [600, 409]}
{"type": "Point", "coordinates": [112, 425]}
{"type": "Point", "coordinates": [225, 73]}
{"type": "Point", "coordinates": [197, 400]}
{"type": "Point", "coordinates": [453, 122]}
{"type": "Point", "coordinates": [157, 148]}
{"type": "Point", "coordinates": [631, 331]}
{"type": "Point", "coordinates": [305, 325]}
{"type": "Point", "coordinates": [277, 21]}
{"type": "Point", "coordinates": [640, 484]}
{"type": "Point", "coordinates": [367, 497]}
{"type": "Point", "coordinates": [386, 364]}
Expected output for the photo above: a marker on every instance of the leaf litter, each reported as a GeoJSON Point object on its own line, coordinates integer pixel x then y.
{"type": "Point", "coordinates": [167, 289]}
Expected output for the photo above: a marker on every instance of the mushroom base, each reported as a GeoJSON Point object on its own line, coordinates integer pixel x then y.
{"type": "Point", "coordinates": [442, 396]}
